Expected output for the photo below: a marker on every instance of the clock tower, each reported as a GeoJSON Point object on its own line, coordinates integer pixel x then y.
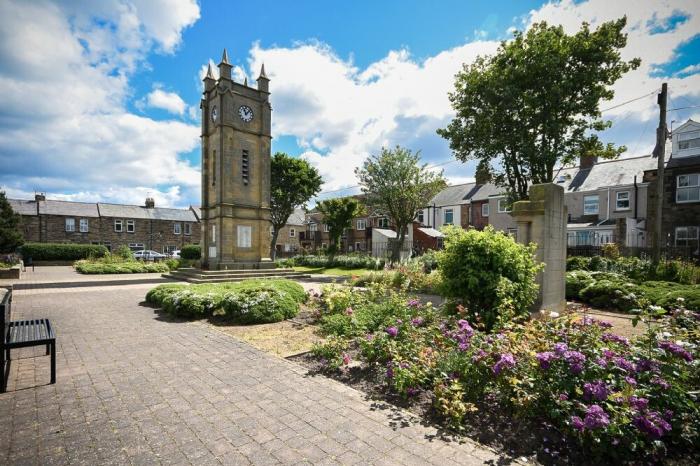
{"type": "Point", "coordinates": [235, 171]}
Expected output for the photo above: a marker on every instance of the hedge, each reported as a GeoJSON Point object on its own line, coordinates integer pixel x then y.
{"type": "Point", "coordinates": [61, 251]}
{"type": "Point", "coordinates": [133, 266]}
{"type": "Point", "coordinates": [191, 251]}
{"type": "Point", "coordinates": [350, 261]}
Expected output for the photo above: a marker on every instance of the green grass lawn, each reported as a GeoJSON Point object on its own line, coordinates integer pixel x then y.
{"type": "Point", "coordinates": [331, 270]}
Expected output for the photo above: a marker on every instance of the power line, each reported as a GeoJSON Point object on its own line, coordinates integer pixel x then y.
{"type": "Point", "coordinates": [683, 108]}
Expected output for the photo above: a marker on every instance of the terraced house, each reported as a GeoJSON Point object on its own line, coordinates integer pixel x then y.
{"type": "Point", "coordinates": [113, 225]}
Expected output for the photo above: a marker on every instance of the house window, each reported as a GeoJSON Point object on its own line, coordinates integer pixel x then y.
{"type": "Point", "coordinates": [313, 227]}
{"type": "Point", "coordinates": [292, 232]}
{"type": "Point", "coordinates": [687, 236]}
{"type": "Point", "coordinates": [326, 228]}
{"type": "Point", "coordinates": [622, 200]}
{"type": "Point", "coordinates": [188, 229]}
{"type": "Point", "coordinates": [513, 232]}
{"type": "Point", "coordinates": [590, 204]}
{"type": "Point", "coordinates": [420, 217]}
{"type": "Point", "coordinates": [503, 206]}
{"type": "Point", "coordinates": [118, 226]}
{"type": "Point", "coordinates": [245, 169]}
{"type": "Point", "coordinates": [70, 224]}
{"type": "Point", "coordinates": [689, 140]}
{"type": "Point", "coordinates": [485, 209]}
{"type": "Point", "coordinates": [84, 225]}
{"type": "Point", "coordinates": [130, 227]}
{"type": "Point", "coordinates": [383, 222]}
{"type": "Point", "coordinates": [324, 245]}
{"type": "Point", "coordinates": [448, 216]}
{"type": "Point", "coordinates": [169, 249]}
{"type": "Point", "coordinates": [361, 224]}
{"type": "Point", "coordinates": [688, 188]}
{"type": "Point", "coordinates": [244, 236]}
{"type": "Point", "coordinates": [177, 228]}
{"type": "Point", "coordinates": [357, 246]}
{"type": "Point", "coordinates": [136, 246]}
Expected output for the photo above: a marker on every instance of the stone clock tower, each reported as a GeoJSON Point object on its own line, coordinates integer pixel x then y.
{"type": "Point", "coordinates": [235, 172]}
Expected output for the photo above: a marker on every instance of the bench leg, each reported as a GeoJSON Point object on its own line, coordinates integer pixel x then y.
{"type": "Point", "coordinates": [53, 362]}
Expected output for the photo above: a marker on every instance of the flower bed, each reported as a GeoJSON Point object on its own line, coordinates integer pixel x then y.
{"type": "Point", "coordinates": [618, 399]}
{"type": "Point", "coordinates": [99, 266]}
{"type": "Point", "coordinates": [246, 302]}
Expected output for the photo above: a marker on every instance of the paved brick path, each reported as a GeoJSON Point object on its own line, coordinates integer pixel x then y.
{"type": "Point", "coordinates": [133, 388]}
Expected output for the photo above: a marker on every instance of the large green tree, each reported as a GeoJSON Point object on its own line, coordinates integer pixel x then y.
{"type": "Point", "coordinates": [338, 214]}
{"type": "Point", "coordinates": [294, 181]}
{"type": "Point", "coordinates": [535, 103]}
{"type": "Point", "coordinates": [398, 185]}
{"type": "Point", "coordinates": [10, 234]}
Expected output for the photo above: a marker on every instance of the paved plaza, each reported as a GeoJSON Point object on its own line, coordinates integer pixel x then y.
{"type": "Point", "coordinates": [134, 387]}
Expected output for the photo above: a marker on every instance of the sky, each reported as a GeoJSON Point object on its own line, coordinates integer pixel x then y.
{"type": "Point", "coordinates": [99, 101]}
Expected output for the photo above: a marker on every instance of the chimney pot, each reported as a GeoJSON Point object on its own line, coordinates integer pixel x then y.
{"type": "Point", "coordinates": [150, 203]}
{"type": "Point", "coordinates": [39, 197]}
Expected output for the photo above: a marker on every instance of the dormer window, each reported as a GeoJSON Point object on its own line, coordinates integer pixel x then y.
{"type": "Point", "coordinates": [689, 140]}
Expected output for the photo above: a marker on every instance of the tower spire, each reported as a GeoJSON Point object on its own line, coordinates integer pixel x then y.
{"type": "Point", "coordinates": [263, 80]}
{"type": "Point", "coordinates": [210, 73]}
{"type": "Point", "coordinates": [224, 57]}
{"type": "Point", "coordinates": [245, 81]}
{"type": "Point", "coordinates": [262, 72]}
{"type": "Point", "coordinates": [225, 66]}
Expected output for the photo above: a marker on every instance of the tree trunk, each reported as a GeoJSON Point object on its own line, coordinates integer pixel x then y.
{"type": "Point", "coordinates": [273, 243]}
{"type": "Point", "coordinates": [398, 245]}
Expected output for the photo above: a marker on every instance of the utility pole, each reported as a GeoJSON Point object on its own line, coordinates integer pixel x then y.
{"type": "Point", "coordinates": [660, 154]}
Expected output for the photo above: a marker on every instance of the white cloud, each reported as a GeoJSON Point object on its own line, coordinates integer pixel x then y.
{"type": "Point", "coordinates": [64, 72]}
{"type": "Point", "coordinates": [169, 101]}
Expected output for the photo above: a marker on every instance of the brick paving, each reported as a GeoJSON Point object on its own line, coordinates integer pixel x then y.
{"type": "Point", "coordinates": [134, 387]}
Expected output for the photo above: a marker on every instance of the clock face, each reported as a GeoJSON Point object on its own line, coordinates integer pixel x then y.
{"type": "Point", "coordinates": [246, 113]}
{"type": "Point", "coordinates": [214, 113]}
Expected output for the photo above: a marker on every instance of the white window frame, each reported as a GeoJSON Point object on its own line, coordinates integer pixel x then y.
{"type": "Point", "coordinates": [597, 204]}
{"type": "Point", "coordinates": [485, 209]}
{"type": "Point", "coordinates": [688, 187]}
{"type": "Point", "coordinates": [452, 216]}
{"type": "Point", "coordinates": [326, 228]}
{"type": "Point", "coordinates": [502, 210]}
{"type": "Point", "coordinates": [84, 225]}
{"type": "Point", "coordinates": [118, 225]}
{"type": "Point", "coordinates": [292, 232]}
{"type": "Point", "coordinates": [324, 245]}
{"type": "Point", "coordinates": [70, 225]}
{"type": "Point", "coordinates": [687, 137]}
{"type": "Point", "coordinates": [420, 217]}
{"type": "Point", "coordinates": [687, 238]}
{"type": "Point", "coordinates": [130, 226]}
{"type": "Point", "coordinates": [361, 224]}
{"type": "Point", "coordinates": [177, 228]}
{"type": "Point", "coordinates": [618, 199]}
{"type": "Point", "coordinates": [313, 227]}
{"type": "Point", "coordinates": [137, 246]}
{"type": "Point", "coordinates": [188, 229]}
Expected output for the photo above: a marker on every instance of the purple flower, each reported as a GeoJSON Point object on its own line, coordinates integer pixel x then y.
{"type": "Point", "coordinates": [631, 380]}
{"type": "Point", "coordinates": [623, 364]}
{"type": "Point", "coordinates": [392, 331]}
{"type": "Point", "coordinates": [602, 362]}
{"type": "Point", "coordinates": [611, 337]}
{"type": "Point", "coordinates": [608, 354]}
{"type": "Point", "coordinates": [389, 370]}
{"type": "Point", "coordinates": [411, 391]}
{"type": "Point", "coordinates": [413, 303]}
{"type": "Point", "coordinates": [676, 350]}
{"type": "Point", "coordinates": [480, 354]}
{"type": "Point", "coordinates": [545, 359]}
{"type": "Point", "coordinates": [417, 322]}
{"type": "Point", "coordinates": [563, 397]}
{"type": "Point", "coordinates": [652, 424]}
{"type": "Point", "coordinates": [506, 361]}
{"type": "Point", "coordinates": [591, 321]}
{"type": "Point", "coordinates": [577, 423]}
{"type": "Point", "coordinates": [660, 382]}
{"type": "Point", "coordinates": [346, 359]}
{"type": "Point", "coordinates": [575, 360]}
{"type": "Point", "coordinates": [595, 390]}
{"type": "Point", "coordinates": [639, 403]}
{"type": "Point", "coordinates": [560, 348]}
{"type": "Point", "coordinates": [369, 337]}
{"type": "Point", "coordinates": [596, 418]}
{"type": "Point", "coordinates": [644, 365]}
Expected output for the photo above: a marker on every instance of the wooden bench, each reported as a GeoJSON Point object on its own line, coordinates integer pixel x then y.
{"type": "Point", "coordinates": [22, 334]}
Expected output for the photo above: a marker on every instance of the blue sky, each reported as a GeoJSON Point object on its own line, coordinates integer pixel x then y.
{"type": "Point", "coordinates": [99, 100]}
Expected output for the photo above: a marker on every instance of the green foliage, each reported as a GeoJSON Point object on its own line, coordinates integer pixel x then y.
{"type": "Point", "coordinates": [398, 185]}
{"type": "Point", "coordinates": [504, 102]}
{"type": "Point", "coordinates": [410, 277]}
{"type": "Point", "coordinates": [293, 182]}
{"type": "Point", "coordinates": [113, 264]}
{"type": "Point", "coordinates": [62, 251]}
{"type": "Point", "coordinates": [10, 233]}
{"type": "Point", "coordinates": [684, 272]}
{"type": "Point", "coordinates": [173, 264]}
{"type": "Point", "coordinates": [611, 251]}
{"type": "Point", "coordinates": [191, 251]}
{"type": "Point", "coordinates": [350, 261]}
{"type": "Point", "coordinates": [124, 252]}
{"type": "Point", "coordinates": [246, 302]}
{"type": "Point", "coordinates": [338, 214]}
{"type": "Point", "coordinates": [331, 352]}
{"type": "Point", "coordinates": [612, 293]}
{"type": "Point", "coordinates": [490, 273]}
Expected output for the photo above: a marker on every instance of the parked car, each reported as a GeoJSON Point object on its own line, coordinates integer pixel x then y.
{"type": "Point", "coordinates": [175, 254]}
{"type": "Point", "coordinates": [149, 255]}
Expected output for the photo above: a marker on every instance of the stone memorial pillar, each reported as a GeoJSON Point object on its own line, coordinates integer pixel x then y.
{"type": "Point", "coordinates": [542, 220]}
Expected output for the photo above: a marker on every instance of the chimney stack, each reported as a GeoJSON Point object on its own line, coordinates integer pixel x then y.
{"type": "Point", "coordinates": [39, 197]}
{"type": "Point", "coordinates": [587, 161]}
{"type": "Point", "coordinates": [150, 203]}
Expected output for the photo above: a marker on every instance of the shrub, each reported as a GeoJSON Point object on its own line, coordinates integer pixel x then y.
{"type": "Point", "coordinates": [173, 264]}
{"type": "Point", "coordinates": [124, 252]}
{"type": "Point", "coordinates": [350, 261]}
{"type": "Point", "coordinates": [490, 273]}
{"type": "Point", "coordinates": [613, 293]}
{"type": "Point", "coordinates": [109, 265]}
{"type": "Point", "coordinates": [191, 251]}
{"type": "Point", "coordinates": [61, 252]}
{"type": "Point", "coordinates": [578, 263]}
{"type": "Point", "coordinates": [410, 277]}
{"type": "Point", "coordinates": [610, 250]}
{"type": "Point", "coordinates": [666, 294]}
{"type": "Point", "coordinates": [638, 269]}
{"type": "Point", "coordinates": [576, 281]}
{"type": "Point", "coordinates": [259, 305]}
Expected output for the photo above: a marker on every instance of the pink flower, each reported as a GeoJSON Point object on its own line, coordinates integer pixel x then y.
{"type": "Point", "coordinates": [392, 331]}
